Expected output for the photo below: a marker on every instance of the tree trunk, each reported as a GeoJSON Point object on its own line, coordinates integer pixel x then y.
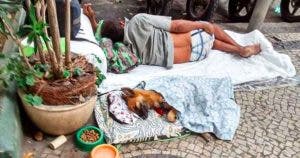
{"type": "Point", "coordinates": [39, 46]}
{"type": "Point", "coordinates": [38, 41]}
{"type": "Point", "coordinates": [53, 61]}
{"type": "Point", "coordinates": [18, 42]}
{"type": "Point", "coordinates": [67, 33]}
{"type": "Point", "coordinates": [54, 31]}
{"type": "Point", "coordinates": [54, 65]}
{"type": "Point", "coordinates": [27, 3]}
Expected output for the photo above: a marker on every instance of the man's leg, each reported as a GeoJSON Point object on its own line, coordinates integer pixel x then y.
{"type": "Point", "coordinates": [225, 43]}
{"type": "Point", "coordinates": [242, 51]}
{"type": "Point", "coordinates": [221, 35]}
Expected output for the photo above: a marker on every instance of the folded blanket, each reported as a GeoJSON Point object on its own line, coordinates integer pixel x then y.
{"type": "Point", "coordinates": [205, 104]}
{"type": "Point", "coordinates": [267, 65]}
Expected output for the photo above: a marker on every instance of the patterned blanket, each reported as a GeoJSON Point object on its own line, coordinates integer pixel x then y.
{"type": "Point", "coordinates": [205, 105]}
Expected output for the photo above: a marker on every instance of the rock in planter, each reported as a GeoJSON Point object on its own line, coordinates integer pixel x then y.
{"type": "Point", "coordinates": [61, 119]}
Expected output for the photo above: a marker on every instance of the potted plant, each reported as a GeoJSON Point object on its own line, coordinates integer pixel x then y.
{"type": "Point", "coordinates": [58, 90]}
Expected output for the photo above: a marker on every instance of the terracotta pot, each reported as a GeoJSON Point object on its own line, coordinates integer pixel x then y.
{"type": "Point", "coordinates": [62, 119]}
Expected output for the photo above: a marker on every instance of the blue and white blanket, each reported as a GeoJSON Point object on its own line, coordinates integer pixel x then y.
{"type": "Point", "coordinates": [205, 104]}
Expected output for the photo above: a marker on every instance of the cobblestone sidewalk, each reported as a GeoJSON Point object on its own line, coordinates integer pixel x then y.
{"type": "Point", "coordinates": [269, 127]}
{"type": "Point", "coordinates": [269, 124]}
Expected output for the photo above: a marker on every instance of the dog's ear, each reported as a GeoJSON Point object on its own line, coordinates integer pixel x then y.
{"type": "Point", "coordinates": [166, 106]}
{"type": "Point", "coordinates": [142, 111]}
{"type": "Point", "coordinates": [128, 92]}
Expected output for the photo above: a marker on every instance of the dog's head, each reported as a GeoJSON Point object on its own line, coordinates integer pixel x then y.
{"type": "Point", "coordinates": [135, 102]}
{"type": "Point", "coordinates": [159, 100]}
{"type": "Point", "coordinates": [140, 101]}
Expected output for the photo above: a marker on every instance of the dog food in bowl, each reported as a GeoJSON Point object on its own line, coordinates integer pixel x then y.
{"type": "Point", "coordinates": [88, 137]}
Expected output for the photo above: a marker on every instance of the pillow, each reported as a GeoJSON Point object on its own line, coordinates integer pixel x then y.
{"type": "Point", "coordinates": [119, 110]}
{"type": "Point", "coordinates": [119, 57]}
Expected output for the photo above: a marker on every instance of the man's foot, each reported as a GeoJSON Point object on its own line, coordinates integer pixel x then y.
{"type": "Point", "coordinates": [84, 9]}
{"type": "Point", "coordinates": [250, 50]}
{"type": "Point", "coordinates": [88, 11]}
{"type": "Point", "coordinates": [91, 11]}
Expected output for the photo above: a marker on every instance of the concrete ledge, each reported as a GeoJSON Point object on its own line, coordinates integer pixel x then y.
{"type": "Point", "coordinates": [10, 125]}
{"type": "Point", "coordinates": [11, 134]}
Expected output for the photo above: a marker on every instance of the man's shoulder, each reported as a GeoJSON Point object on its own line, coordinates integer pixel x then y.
{"type": "Point", "coordinates": [148, 16]}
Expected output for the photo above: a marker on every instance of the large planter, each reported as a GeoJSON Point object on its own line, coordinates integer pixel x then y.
{"type": "Point", "coordinates": [62, 119]}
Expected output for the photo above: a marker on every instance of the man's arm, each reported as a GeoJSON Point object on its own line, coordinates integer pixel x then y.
{"type": "Point", "coordinates": [184, 26]}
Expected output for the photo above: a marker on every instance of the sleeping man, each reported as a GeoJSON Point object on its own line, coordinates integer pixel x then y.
{"type": "Point", "coordinates": [158, 40]}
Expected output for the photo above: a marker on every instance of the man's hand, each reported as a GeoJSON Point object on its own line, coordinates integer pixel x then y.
{"type": "Point", "coordinates": [209, 28]}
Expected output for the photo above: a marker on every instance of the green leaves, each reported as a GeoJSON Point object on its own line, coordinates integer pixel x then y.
{"type": "Point", "coordinates": [29, 80]}
{"type": "Point", "coordinates": [66, 74]}
{"type": "Point", "coordinates": [2, 56]}
{"type": "Point", "coordinates": [2, 28]}
{"type": "Point", "coordinates": [33, 100]}
{"type": "Point", "coordinates": [35, 29]}
{"type": "Point", "coordinates": [3, 81]}
{"type": "Point", "coordinates": [78, 71]}
{"type": "Point", "coordinates": [24, 77]}
{"type": "Point", "coordinates": [97, 58]}
{"type": "Point", "coordinates": [31, 14]}
{"type": "Point", "coordinates": [40, 70]}
{"type": "Point", "coordinates": [100, 77]}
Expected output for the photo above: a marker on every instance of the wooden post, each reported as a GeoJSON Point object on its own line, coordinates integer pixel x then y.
{"type": "Point", "coordinates": [259, 14]}
{"type": "Point", "coordinates": [54, 30]}
{"type": "Point", "coordinates": [67, 33]}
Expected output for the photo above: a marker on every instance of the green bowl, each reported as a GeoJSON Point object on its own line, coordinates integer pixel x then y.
{"type": "Point", "coordinates": [86, 146]}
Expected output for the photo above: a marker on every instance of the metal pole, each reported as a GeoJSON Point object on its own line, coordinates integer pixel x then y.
{"type": "Point", "coordinates": [259, 14]}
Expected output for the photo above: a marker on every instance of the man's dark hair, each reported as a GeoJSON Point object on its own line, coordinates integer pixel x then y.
{"type": "Point", "coordinates": [113, 31]}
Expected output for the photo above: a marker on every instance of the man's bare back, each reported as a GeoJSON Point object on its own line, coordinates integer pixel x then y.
{"type": "Point", "coordinates": [182, 47]}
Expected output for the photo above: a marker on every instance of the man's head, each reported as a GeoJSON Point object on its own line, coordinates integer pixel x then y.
{"type": "Point", "coordinates": [113, 31]}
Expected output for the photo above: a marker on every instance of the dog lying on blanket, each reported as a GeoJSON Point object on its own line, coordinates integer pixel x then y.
{"type": "Point", "coordinates": [140, 101]}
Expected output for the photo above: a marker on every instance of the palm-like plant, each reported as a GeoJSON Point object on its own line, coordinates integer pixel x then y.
{"type": "Point", "coordinates": [36, 31]}
{"type": "Point", "coordinates": [51, 64]}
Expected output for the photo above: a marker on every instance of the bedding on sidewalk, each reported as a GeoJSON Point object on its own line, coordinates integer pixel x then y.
{"type": "Point", "coordinates": [267, 65]}
{"type": "Point", "coordinates": [204, 105]}
{"type": "Point", "coordinates": [201, 91]}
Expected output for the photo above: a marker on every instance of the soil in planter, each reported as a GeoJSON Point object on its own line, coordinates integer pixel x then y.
{"type": "Point", "coordinates": [90, 136]}
{"type": "Point", "coordinates": [74, 90]}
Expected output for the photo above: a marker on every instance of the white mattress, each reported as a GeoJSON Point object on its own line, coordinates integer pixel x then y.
{"type": "Point", "coordinates": [268, 64]}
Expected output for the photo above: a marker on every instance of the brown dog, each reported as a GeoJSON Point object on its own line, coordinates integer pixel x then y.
{"type": "Point", "coordinates": [140, 101]}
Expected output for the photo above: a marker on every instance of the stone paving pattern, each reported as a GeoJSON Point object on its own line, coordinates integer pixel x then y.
{"type": "Point", "coordinates": [269, 127]}
{"type": "Point", "coordinates": [269, 124]}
